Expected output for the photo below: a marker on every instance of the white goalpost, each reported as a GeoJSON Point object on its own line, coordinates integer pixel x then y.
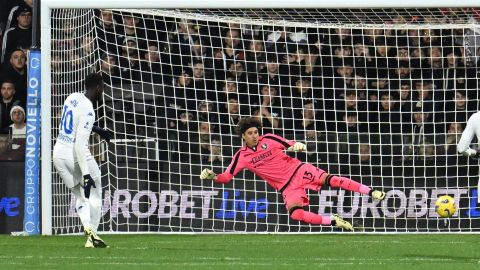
{"type": "Point", "coordinates": [380, 93]}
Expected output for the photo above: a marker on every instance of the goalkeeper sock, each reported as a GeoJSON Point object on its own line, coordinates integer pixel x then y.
{"type": "Point", "coordinates": [347, 184]}
{"type": "Point", "coordinates": [309, 217]}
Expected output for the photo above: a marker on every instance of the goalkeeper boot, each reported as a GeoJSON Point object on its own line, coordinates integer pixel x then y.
{"type": "Point", "coordinates": [96, 240]}
{"type": "Point", "coordinates": [341, 223]}
{"type": "Point", "coordinates": [378, 195]}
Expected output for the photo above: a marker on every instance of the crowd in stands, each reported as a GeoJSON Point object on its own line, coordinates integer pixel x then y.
{"type": "Point", "coordinates": [394, 92]}
{"type": "Point", "coordinates": [16, 39]}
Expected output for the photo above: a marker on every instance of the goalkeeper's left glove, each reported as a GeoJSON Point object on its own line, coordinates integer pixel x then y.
{"type": "Point", "coordinates": [298, 147]}
{"type": "Point", "coordinates": [207, 174]}
{"type": "Point", "coordinates": [103, 133]}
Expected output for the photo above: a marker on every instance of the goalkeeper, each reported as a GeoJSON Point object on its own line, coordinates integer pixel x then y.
{"type": "Point", "coordinates": [463, 147]}
{"type": "Point", "coordinates": [265, 156]}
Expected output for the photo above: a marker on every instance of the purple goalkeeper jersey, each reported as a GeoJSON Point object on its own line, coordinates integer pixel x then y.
{"type": "Point", "coordinates": [267, 160]}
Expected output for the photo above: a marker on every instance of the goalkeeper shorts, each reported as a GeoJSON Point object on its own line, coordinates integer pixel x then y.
{"type": "Point", "coordinates": [307, 177]}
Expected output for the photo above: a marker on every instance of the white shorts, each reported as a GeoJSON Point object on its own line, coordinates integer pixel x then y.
{"type": "Point", "coordinates": [71, 174]}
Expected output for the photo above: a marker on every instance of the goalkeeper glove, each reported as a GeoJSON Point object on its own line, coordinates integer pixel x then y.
{"type": "Point", "coordinates": [103, 133]}
{"type": "Point", "coordinates": [298, 146]}
{"type": "Point", "coordinates": [207, 174]}
{"type": "Point", "coordinates": [88, 183]}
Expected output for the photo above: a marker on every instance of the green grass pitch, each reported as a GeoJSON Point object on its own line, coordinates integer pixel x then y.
{"type": "Point", "coordinates": [243, 251]}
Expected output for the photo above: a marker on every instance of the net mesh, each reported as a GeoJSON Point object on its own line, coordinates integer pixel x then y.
{"type": "Point", "coordinates": [380, 96]}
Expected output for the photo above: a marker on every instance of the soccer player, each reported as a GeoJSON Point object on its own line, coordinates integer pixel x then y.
{"type": "Point", "coordinates": [265, 156]}
{"type": "Point", "coordinates": [73, 160]}
{"type": "Point", "coordinates": [463, 147]}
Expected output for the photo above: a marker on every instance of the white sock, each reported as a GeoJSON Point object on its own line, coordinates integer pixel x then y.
{"type": "Point", "coordinates": [83, 211]}
{"type": "Point", "coordinates": [95, 202]}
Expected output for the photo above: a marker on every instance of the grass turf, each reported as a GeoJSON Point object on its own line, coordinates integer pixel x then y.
{"type": "Point", "coordinates": [341, 251]}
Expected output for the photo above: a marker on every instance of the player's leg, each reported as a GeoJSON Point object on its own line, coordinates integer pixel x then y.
{"type": "Point", "coordinates": [295, 199]}
{"type": "Point", "coordinates": [94, 207]}
{"type": "Point", "coordinates": [69, 173]}
{"type": "Point", "coordinates": [95, 199]}
{"type": "Point", "coordinates": [81, 204]}
{"type": "Point", "coordinates": [349, 184]}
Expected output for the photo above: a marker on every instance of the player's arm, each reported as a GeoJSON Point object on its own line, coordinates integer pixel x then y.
{"type": "Point", "coordinates": [84, 128]}
{"type": "Point", "coordinates": [103, 133]}
{"type": "Point", "coordinates": [286, 144]}
{"type": "Point", "coordinates": [236, 165]}
{"type": "Point", "coordinates": [463, 146]}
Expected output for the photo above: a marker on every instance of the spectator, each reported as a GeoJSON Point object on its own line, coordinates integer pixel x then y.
{"type": "Point", "coordinates": [421, 131]}
{"type": "Point", "coordinates": [364, 153]}
{"type": "Point", "coordinates": [363, 59]}
{"type": "Point", "coordinates": [272, 76]}
{"type": "Point", "coordinates": [203, 86]}
{"type": "Point", "coordinates": [229, 120]}
{"type": "Point", "coordinates": [110, 69]}
{"type": "Point", "coordinates": [202, 52]}
{"type": "Point", "coordinates": [177, 98]}
{"type": "Point", "coordinates": [206, 111]}
{"type": "Point", "coordinates": [109, 34]}
{"type": "Point", "coordinates": [17, 72]}
{"type": "Point", "coordinates": [134, 28]}
{"type": "Point", "coordinates": [129, 61]}
{"type": "Point", "coordinates": [214, 155]}
{"type": "Point", "coordinates": [422, 97]}
{"type": "Point", "coordinates": [151, 66]}
{"type": "Point", "coordinates": [7, 103]}
{"type": "Point", "coordinates": [19, 36]}
{"type": "Point", "coordinates": [460, 109]}
{"type": "Point", "coordinates": [255, 57]}
{"type": "Point", "coordinates": [18, 128]}
{"type": "Point", "coordinates": [307, 119]}
{"type": "Point", "coordinates": [270, 111]}
{"type": "Point", "coordinates": [404, 102]}
{"type": "Point", "coordinates": [448, 145]}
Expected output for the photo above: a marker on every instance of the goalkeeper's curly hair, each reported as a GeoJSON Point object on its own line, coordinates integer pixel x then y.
{"type": "Point", "coordinates": [246, 123]}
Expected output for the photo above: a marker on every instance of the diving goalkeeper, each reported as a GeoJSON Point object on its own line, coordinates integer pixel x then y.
{"type": "Point", "coordinates": [265, 156]}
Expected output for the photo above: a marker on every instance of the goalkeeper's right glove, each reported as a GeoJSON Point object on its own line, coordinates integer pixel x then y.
{"type": "Point", "coordinates": [207, 174]}
{"type": "Point", "coordinates": [88, 183]}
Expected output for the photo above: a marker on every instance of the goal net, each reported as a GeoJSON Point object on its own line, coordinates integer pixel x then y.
{"type": "Point", "coordinates": [378, 95]}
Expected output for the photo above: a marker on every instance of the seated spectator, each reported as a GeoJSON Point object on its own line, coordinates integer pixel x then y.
{"type": "Point", "coordinates": [19, 36]}
{"type": "Point", "coordinates": [18, 128]}
{"type": "Point", "coordinates": [7, 102]}
{"type": "Point", "coordinates": [17, 73]}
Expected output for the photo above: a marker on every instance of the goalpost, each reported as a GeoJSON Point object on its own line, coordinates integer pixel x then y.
{"type": "Point", "coordinates": [379, 93]}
